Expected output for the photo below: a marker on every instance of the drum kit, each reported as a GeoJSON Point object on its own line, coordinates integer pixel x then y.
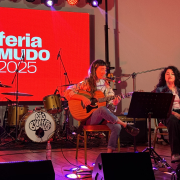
{"type": "Point", "coordinates": [40, 124]}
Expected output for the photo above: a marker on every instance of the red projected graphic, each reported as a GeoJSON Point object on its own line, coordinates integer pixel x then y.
{"type": "Point", "coordinates": [39, 35]}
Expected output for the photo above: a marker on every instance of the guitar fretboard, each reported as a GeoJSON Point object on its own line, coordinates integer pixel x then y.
{"type": "Point", "coordinates": [108, 98]}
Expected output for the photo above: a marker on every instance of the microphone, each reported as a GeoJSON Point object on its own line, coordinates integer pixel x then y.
{"type": "Point", "coordinates": [23, 55]}
{"type": "Point", "coordinates": [58, 54]}
{"type": "Point", "coordinates": [110, 79]}
{"type": "Point", "coordinates": [56, 91]}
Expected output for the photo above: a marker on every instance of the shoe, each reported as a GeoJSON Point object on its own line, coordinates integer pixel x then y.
{"type": "Point", "coordinates": [132, 130]}
{"type": "Point", "coordinates": [175, 158]}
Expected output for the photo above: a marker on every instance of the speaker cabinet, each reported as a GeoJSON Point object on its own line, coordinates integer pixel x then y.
{"type": "Point", "coordinates": [123, 166]}
{"type": "Point", "coordinates": [27, 170]}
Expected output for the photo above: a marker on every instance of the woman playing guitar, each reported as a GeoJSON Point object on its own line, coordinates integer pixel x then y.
{"type": "Point", "coordinates": [93, 87]}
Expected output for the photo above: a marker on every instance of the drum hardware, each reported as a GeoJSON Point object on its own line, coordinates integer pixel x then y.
{"type": "Point", "coordinates": [5, 86]}
{"type": "Point", "coordinates": [5, 133]}
{"type": "Point", "coordinates": [17, 93]}
{"type": "Point", "coordinates": [66, 127]}
{"type": "Point", "coordinates": [58, 127]}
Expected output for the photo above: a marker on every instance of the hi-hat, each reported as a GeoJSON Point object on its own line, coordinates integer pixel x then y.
{"type": "Point", "coordinates": [5, 86]}
{"type": "Point", "coordinates": [15, 93]}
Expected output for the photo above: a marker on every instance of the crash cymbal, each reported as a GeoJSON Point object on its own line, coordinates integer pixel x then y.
{"type": "Point", "coordinates": [5, 86]}
{"type": "Point", "coordinates": [67, 85]}
{"type": "Point", "coordinates": [14, 94]}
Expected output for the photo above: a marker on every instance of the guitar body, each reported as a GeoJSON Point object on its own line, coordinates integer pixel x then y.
{"type": "Point", "coordinates": [79, 112]}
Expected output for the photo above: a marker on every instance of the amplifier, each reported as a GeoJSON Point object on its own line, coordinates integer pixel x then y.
{"type": "Point", "coordinates": [141, 138]}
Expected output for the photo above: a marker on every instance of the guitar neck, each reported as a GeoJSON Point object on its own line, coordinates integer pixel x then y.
{"type": "Point", "coordinates": [109, 98]}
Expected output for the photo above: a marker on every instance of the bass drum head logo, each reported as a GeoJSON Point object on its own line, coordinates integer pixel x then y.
{"type": "Point", "coordinates": [40, 126]}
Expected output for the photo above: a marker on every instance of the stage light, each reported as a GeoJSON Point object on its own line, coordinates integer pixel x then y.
{"type": "Point", "coordinates": [73, 176]}
{"type": "Point", "coordinates": [72, 2]}
{"type": "Point", "coordinates": [49, 3]}
{"type": "Point", "coordinates": [94, 3]}
{"type": "Point", "coordinates": [83, 167]}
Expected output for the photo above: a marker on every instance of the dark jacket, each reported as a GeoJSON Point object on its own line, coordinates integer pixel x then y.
{"type": "Point", "coordinates": [165, 89]}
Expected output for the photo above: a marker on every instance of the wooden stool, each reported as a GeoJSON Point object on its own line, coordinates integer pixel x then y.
{"type": "Point", "coordinates": [157, 127]}
{"type": "Point", "coordinates": [92, 128]}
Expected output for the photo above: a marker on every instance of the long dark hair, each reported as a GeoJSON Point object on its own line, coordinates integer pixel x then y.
{"type": "Point", "coordinates": [162, 81]}
{"type": "Point", "coordinates": [92, 74]}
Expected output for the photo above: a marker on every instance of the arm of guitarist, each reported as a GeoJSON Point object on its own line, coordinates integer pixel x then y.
{"type": "Point", "coordinates": [72, 94]}
{"type": "Point", "coordinates": [84, 99]}
{"type": "Point", "coordinates": [112, 105]}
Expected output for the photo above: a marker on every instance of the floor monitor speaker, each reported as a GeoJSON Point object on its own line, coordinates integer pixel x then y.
{"type": "Point", "coordinates": [27, 170]}
{"type": "Point", "coordinates": [123, 166]}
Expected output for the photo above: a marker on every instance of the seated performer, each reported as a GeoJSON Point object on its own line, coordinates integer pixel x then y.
{"type": "Point", "coordinates": [91, 86]}
{"type": "Point", "coordinates": [169, 82]}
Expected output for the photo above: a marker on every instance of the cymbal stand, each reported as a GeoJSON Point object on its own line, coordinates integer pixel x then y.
{"type": "Point", "coordinates": [66, 122]}
{"type": "Point", "coordinates": [65, 72]}
{"type": "Point", "coordinates": [66, 128]}
{"type": "Point", "coordinates": [153, 154]}
{"type": "Point", "coordinates": [66, 109]}
{"type": "Point", "coordinates": [17, 81]}
{"type": "Point", "coordinates": [57, 131]}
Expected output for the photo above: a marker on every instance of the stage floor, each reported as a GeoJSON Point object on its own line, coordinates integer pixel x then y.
{"type": "Point", "coordinates": [60, 159]}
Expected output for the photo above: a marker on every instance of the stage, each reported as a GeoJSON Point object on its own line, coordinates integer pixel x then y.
{"type": "Point", "coordinates": [61, 165]}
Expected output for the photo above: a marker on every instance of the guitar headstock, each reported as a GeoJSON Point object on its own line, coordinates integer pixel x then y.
{"type": "Point", "coordinates": [126, 95]}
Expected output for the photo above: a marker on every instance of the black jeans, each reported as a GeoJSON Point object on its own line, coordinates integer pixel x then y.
{"type": "Point", "coordinates": [173, 125]}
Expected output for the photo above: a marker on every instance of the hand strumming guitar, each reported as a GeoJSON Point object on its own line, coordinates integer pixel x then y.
{"type": "Point", "coordinates": [117, 100]}
{"type": "Point", "coordinates": [85, 101]}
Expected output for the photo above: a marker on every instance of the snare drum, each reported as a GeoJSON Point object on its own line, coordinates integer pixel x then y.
{"type": "Point", "coordinates": [21, 111]}
{"type": "Point", "coordinates": [52, 103]}
{"type": "Point", "coordinates": [39, 125]}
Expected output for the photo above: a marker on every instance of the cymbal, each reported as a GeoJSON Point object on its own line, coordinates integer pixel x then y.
{"type": "Point", "coordinates": [5, 86]}
{"type": "Point", "coordinates": [67, 85]}
{"type": "Point", "coordinates": [14, 94]}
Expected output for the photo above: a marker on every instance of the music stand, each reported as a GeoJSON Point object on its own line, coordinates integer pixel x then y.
{"type": "Point", "coordinates": [151, 105]}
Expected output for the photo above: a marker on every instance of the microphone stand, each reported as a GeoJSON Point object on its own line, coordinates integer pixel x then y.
{"type": "Point", "coordinates": [133, 75]}
{"type": "Point", "coordinates": [17, 77]}
{"type": "Point", "coordinates": [65, 72]}
{"type": "Point", "coordinates": [66, 122]}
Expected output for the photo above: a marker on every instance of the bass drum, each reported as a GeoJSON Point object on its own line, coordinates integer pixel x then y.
{"type": "Point", "coordinates": [39, 126]}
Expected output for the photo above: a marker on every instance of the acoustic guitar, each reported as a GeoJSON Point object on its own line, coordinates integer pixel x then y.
{"type": "Point", "coordinates": [80, 112]}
